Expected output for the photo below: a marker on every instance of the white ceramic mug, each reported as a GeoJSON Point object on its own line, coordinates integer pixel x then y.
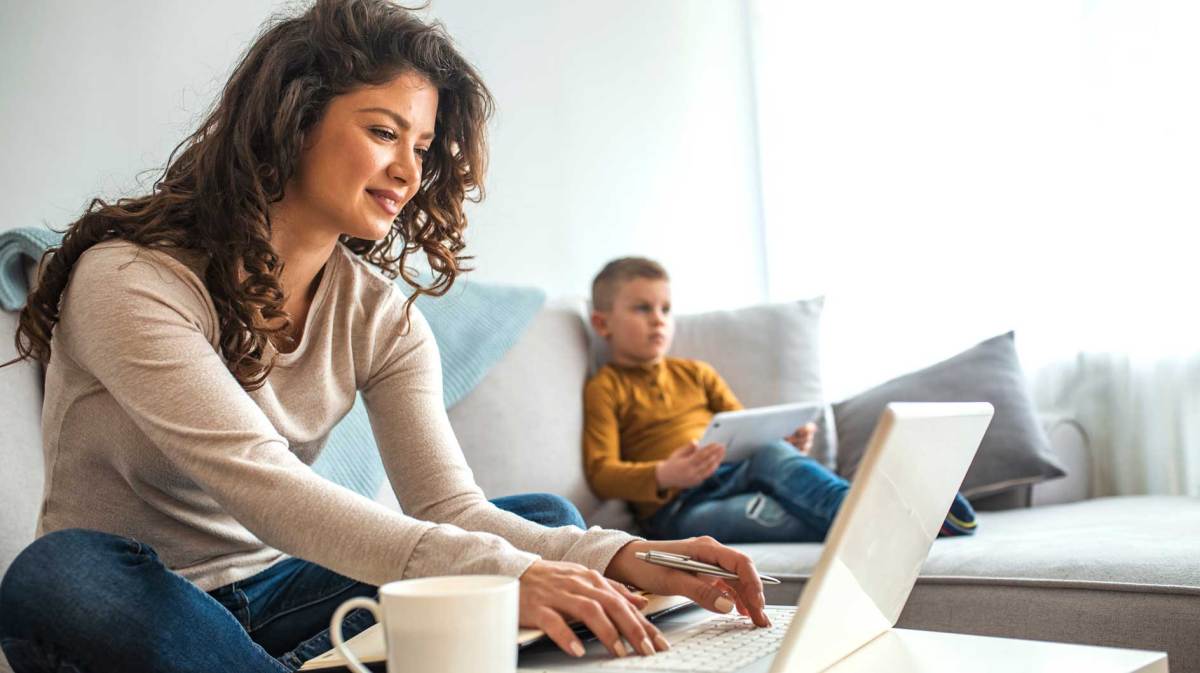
{"type": "Point", "coordinates": [442, 624]}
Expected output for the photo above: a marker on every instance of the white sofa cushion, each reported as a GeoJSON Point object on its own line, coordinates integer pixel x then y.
{"type": "Point", "coordinates": [520, 428]}
{"type": "Point", "coordinates": [1133, 540]}
{"type": "Point", "coordinates": [22, 473]}
{"type": "Point", "coordinates": [1117, 572]}
{"type": "Point", "coordinates": [1111, 571]}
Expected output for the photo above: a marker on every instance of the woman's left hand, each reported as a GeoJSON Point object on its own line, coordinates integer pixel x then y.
{"type": "Point", "coordinates": [713, 593]}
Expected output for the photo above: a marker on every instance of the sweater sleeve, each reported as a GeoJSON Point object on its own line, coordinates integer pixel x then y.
{"type": "Point", "coordinates": [720, 397]}
{"type": "Point", "coordinates": [607, 473]}
{"type": "Point", "coordinates": [430, 475]}
{"type": "Point", "coordinates": [137, 323]}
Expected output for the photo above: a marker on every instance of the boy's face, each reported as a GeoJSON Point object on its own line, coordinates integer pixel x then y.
{"type": "Point", "coordinates": [639, 327]}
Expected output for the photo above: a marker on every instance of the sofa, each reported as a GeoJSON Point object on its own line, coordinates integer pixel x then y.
{"type": "Point", "coordinates": [1047, 563]}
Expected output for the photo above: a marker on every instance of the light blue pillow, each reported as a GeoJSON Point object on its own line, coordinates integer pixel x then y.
{"type": "Point", "coordinates": [474, 324]}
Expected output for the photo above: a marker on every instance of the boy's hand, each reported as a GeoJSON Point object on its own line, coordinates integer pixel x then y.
{"type": "Point", "coordinates": [802, 438]}
{"type": "Point", "coordinates": [689, 465]}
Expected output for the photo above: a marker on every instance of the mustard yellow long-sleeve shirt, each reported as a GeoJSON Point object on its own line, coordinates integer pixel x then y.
{"type": "Point", "coordinates": [635, 417]}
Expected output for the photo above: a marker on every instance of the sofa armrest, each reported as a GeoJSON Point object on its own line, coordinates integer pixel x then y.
{"type": "Point", "coordinates": [1071, 447]}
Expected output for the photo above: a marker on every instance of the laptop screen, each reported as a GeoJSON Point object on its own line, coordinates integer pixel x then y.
{"type": "Point", "coordinates": [914, 465]}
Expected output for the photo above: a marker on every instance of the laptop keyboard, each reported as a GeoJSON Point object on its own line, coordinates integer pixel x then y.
{"type": "Point", "coordinates": [723, 643]}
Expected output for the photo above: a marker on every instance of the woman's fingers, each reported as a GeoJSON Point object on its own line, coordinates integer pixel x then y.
{"type": "Point", "coordinates": [707, 594]}
{"type": "Point", "coordinates": [593, 616]}
{"type": "Point", "coordinates": [631, 624]}
{"type": "Point", "coordinates": [554, 594]}
{"type": "Point", "coordinates": [638, 600]}
{"type": "Point", "coordinates": [748, 586]}
{"type": "Point", "coordinates": [608, 612]}
{"type": "Point", "coordinates": [632, 604]}
{"type": "Point", "coordinates": [556, 628]}
{"type": "Point", "coordinates": [732, 594]}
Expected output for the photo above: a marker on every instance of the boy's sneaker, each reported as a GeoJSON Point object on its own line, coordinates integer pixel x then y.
{"type": "Point", "coordinates": [960, 520]}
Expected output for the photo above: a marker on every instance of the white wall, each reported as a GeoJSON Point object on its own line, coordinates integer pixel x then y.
{"type": "Point", "coordinates": [96, 93]}
{"type": "Point", "coordinates": [623, 127]}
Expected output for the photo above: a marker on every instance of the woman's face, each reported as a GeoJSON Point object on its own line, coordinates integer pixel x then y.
{"type": "Point", "coordinates": [363, 160]}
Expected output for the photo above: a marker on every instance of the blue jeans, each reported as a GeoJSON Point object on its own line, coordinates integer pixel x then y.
{"type": "Point", "coordinates": [83, 601]}
{"type": "Point", "coordinates": [777, 495]}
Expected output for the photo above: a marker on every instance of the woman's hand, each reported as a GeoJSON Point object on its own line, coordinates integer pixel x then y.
{"type": "Point", "coordinates": [714, 593]}
{"type": "Point", "coordinates": [689, 465]}
{"type": "Point", "coordinates": [555, 593]}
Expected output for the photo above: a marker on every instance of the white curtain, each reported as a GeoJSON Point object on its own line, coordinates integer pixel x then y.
{"type": "Point", "coordinates": [946, 170]}
{"type": "Point", "coordinates": [1142, 415]}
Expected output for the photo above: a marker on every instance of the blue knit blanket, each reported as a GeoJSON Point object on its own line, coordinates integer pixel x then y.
{"type": "Point", "coordinates": [475, 324]}
{"type": "Point", "coordinates": [16, 247]}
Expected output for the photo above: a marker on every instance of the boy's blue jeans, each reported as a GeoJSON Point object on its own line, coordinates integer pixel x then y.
{"type": "Point", "coordinates": [778, 495]}
{"type": "Point", "coordinates": [83, 601]}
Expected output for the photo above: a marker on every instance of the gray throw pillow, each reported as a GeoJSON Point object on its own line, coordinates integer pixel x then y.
{"type": "Point", "coordinates": [1015, 450]}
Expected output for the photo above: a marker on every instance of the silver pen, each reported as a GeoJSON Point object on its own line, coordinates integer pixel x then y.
{"type": "Point", "coordinates": [681, 562]}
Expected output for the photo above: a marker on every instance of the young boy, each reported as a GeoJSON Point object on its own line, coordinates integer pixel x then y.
{"type": "Point", "coordinates": [643, 412]}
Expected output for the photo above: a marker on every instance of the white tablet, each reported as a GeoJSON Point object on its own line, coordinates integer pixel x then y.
{"type": "Point", "coordinates": [746, 431]}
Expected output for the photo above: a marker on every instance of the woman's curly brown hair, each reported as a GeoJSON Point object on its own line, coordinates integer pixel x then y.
{"type": "Point", "coordinates": [215, 194]}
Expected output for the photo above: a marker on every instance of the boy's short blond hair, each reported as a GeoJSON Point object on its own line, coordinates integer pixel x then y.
{"type": "Point", "coordinates": [618, 272]}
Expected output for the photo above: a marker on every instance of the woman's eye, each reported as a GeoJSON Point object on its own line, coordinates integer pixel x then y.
{"type": "Point", "coordinates": [386, 134]}
{"type": "Point", "coordinates": [422, 153]}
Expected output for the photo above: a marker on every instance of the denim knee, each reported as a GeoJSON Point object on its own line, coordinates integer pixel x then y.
{"type": "Point", "coordinates": [547, 509]}
{"type": "Point", "coordinates": [103, 602]}
{"type": "Point", "coordinates": [566, 513]}
{"type": "Point", "coordinates": [555, 510]}
{"type": "Point", "coordinates": [47, 577]}
{"type": "Point", "coordinates": [777, 453]}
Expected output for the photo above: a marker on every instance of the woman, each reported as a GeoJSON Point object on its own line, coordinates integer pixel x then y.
{"type": "Point", "coordinates": [202, 340]}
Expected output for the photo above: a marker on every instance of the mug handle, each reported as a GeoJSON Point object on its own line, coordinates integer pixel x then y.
{"type": "Point", "coordinates": [335, 629]}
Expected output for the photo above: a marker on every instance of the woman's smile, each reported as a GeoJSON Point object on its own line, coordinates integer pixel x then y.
{"type": "Point", "coordinates": [387, 199]}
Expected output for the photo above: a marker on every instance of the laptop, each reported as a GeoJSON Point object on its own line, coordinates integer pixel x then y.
{"type": "Point", "coordinates": [914, 464]}
{"type": "Point", "coordinates": [747, 430]}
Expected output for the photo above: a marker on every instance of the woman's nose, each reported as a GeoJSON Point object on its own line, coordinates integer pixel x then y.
{"type": "Point", "coordinates": [404, 169]}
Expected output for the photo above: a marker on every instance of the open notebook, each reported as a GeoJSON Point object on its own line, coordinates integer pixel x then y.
{"type": "Point", "coordinates": [369, 645]}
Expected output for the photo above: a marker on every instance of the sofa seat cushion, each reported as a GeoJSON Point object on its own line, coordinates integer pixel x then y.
{"type": "Point", "coordinates": [1114, 572]}
{"type": "Point", "coordinates": [1141, 540]}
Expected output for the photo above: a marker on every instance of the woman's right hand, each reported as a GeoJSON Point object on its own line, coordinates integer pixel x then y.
{"type": "Point", "coordinates": [555, 593]}
{"type": "Point", "coordinates": [689, 465]}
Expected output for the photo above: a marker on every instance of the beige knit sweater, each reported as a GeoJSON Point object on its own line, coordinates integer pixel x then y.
{"type": "Point", "coordinates": [148, 435]}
